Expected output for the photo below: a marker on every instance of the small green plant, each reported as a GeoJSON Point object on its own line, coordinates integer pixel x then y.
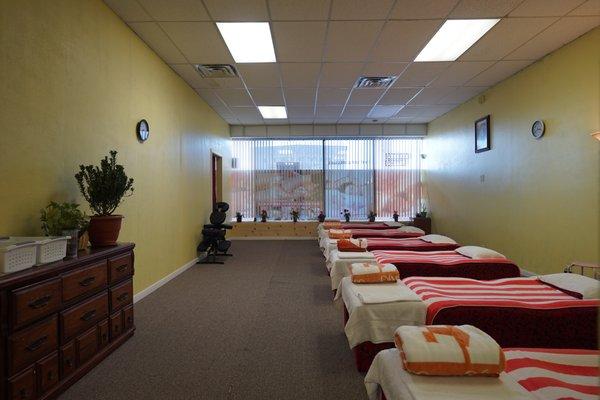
{"type": "Point", "coordinates": [57, 217]}
{"type": "Point", "coordinates": [295, 214]}
{"type": "Point", "coordinates": [104, 187]}
{"type": "Point", "coordinates": [372, 215]}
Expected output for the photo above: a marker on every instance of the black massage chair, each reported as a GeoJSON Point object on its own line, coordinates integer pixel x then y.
{"type": "Point", "coordinates": [213, 236]}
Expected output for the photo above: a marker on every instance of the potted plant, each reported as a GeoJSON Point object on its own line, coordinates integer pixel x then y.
{"type": "Point", "coordinates": [372, 215]}
{"type": "Point", "coordinates": [239, 216]}
{"type": "Point", "coordinates": [64, 219]}
{"type": "Point", "coordinates": [263, 216]}
{"type": "Point", "coordinates": [346, 214]}
{"type": "Point", "coordinates": [321, 216]}
{"type": "Point", "coordinates": [395, 216]}
{"type": "Point", "coordinates": [295, 214]}
{"type": "Point", "coordinates": [423, 212]}
{"type": "Point", "coordinates": [104, 187]}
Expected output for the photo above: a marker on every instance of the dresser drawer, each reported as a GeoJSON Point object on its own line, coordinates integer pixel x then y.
{"type": "Point", "coordinates": [120, 267]}
{"type": "Point", "coordinates": [47, 372]}
{"type": "Point", "coordinates": [116, 325]}
{"type": "Point", "coordinates": [121, 295]}
{"type": "Point", "coordinates": [103, 335]}
{"type": "Point", "coordinates": [83, 316]}
{"type": "Point", "coordinates": [23, 386]}
{"type": "Point", "coordinates": [128, 318]}
{"type": "Point", "coordinates": [33, 343]}
{"type": "Point", "coordinates": [86, 345]}
{"type": "Point", "coordinates": [85, 280]}
{"type": "Point", "coordinates": [34, 302]}
{"type": "Point", "coordinates": [67, 359]}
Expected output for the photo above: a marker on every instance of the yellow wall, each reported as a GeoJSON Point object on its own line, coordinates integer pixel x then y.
{"type": "Point", "coordinates": [74, 82]}
{"type": "Point", "coordinates": [539, 202]}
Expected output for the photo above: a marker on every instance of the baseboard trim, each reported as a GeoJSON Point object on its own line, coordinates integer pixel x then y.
{"type": "Point", "coordinates": [163, 281]}
{"type": "Point", "coordinates": [273, 238]}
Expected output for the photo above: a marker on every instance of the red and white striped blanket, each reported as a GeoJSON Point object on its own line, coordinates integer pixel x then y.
{"type": "Point", "coordinates": [385, 233]}
{"type": "Point", "coordinates": [552, 374]}
{"type": "Point", "coordinates": [446, 257]}
{"type": "Point", "coordinates": [524, 292]}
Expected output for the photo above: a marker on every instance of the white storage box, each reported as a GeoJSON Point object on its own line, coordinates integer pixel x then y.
{"type": "Point", "coordinates": [49, 248]}
{"type": "Point", "coordinates": [16, 255]}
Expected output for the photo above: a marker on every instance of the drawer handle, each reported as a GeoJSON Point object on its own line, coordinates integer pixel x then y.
{"type": "Point", "coordinates": [88, 316]}
{"type": "Point", "coordinates": [40, 302]}
{"type": "Point", "coordinates": [123, 296]}
{"type": "Point", "coordinates": [87, 281]}
{"type": "Point", "coordinates": [122, 267]}
{"type": "Point", "coordinates": [35, 345]}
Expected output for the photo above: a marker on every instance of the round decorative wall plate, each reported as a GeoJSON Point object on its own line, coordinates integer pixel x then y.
{"type": "Point", "coordinates": [538, 128]}
{"type": "Point", "coordinates": [143, 130]}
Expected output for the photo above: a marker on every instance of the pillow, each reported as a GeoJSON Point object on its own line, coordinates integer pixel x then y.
{"type": "Point", "coordinates": [478, 253]}
{"type": "Point", "coordinates": [394, 223]}
{"type": "Point", "coordinates": [411, 229]}
{"type": "Point", "coordinates": [587, 288]}
{"type": "Point", "coordinates": [437, 239]}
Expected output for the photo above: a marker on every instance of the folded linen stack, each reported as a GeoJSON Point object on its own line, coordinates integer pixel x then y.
{"type": "Point", "coordinates": [372, 272]}
{"type": "Point", "coordinates": [449, 351]}
{"type": "Point", "coordinates": [358, 245]}
{"type": "Point", "coordinates": [340, 234]}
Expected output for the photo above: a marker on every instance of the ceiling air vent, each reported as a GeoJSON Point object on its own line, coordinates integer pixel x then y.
{"type": "Point", "coordinates": [374, 81]}
{"type": "Point", "coordinates": [216, 70]}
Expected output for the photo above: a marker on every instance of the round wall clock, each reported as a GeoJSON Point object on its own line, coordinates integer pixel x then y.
{"type": "Point", "coordinates": [143, 130]}
{"type": "Point", "coordinates": [538, 128]}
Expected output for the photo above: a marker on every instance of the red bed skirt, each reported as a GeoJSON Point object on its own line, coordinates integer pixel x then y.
{"type": "Point", "coordinates": [423, 247]}
{"type": "Point", "coordinates": [479, 271]}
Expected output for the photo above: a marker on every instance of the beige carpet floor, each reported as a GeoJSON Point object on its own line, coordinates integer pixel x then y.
{"type": "Point", "coordinates": [262, 326]}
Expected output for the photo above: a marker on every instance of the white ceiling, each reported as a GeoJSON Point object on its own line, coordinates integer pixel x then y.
{"type": "Point", "coordinates": [323, 46]}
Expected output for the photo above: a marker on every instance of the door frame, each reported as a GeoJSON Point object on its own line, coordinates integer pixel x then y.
{"type": "Point", "coordinates": [216, 163]}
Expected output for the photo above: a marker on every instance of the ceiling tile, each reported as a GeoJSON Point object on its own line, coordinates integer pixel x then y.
{"type": "Point", "coordinates": [365, 97]}
{"type": "Point", "coordinates": [403, 40]}
{"type": "Point", "coordinates": [175, 10]}
{"type": "Point", "coordinates": [398, 96]}
{"type": "Point", "coordinates": [128, 10]}
{"type": "Point", "coordinates": [260, 75]}
{"type": "Point", "coordinates": [247, 115]}
{"type": "Point", "coordinates": [332, 97]}
{"type": "Point", "coordinates": [267, 96]}
{"type": "Point", "coordinates": [431, 95]}
{"type": "Point", "coordinates": [299, 97]}
{"type": "Point", "coordinates": [483, 8]}
{"type": "Point", "coordinates": [233, 83]}
{"type": "Point", "coordinates": [422, 9]}
{"type": "Point", "coordinates": [300, 75]}
{"type": "Point", "coordinates": [461, 94]}
{"type": "Point", "coordinates": [235, 10]}
{"type": "Point", "coordinates": [293, 10]}
{"type": "Point", "coordinates": [398, 120]}
{"type": "Point", "coordinates": [186, 35]}
{"type": "Point", "coordinates": [210, 97]}
{"type": "Point", "coordinates": [383, 112]}
{"type": "Point", "coordinates": [590, 7]}
{"type": "Point", "coordinates": [506, 36]}
{"type": "Point", "coordinates": [356, 112]}
{"type": "Point", "coordinates": [436, 111]}
{"type": "Point", "coordinates": [300, 112]}
{"type": "Point", "coordinates": [557, 35]}
{"type": "Point", "coordinates": [384, 69]}
{"type": "Point", "coordinates": [351, 40]}
{"type": "Point", "coordinates": [460, 72]}
{"type": "Point", "coordinates": [328, 112]}
{"type": "Point", "coordinates": [340, 75]}
{"type": "Point", "coordinates": [410, 111]}
{"type": "Point", "coordinates": [359, 10]}
{"type": "Point", "coordinates": [498, 72]}
{"type": "Point", "coordinates": [545, 8]}
{"type": "Point", "coordinates": [234, 97]}
{"type": "Point", "coordinates": [299, 41]}
{"type": "Point", "coordinates": [421, 74]}
{"type": "Point", "coordinates": [223, 112]}
{"type": "Point", "coordinates": [156, 39]}
{"type": "Point", "coordinates": [191, 76]}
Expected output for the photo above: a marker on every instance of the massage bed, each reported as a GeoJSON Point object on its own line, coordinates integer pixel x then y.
{"type": "Point", "coordinates": [531, 373]}
{"type": "Point", "coordinates": [430, 263]}
{"type": "Point", "coordinates": [516, 312]}
{"type": "Point", "coordinates": [395, 233]}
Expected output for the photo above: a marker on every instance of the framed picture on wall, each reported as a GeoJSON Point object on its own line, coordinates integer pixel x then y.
{"type": "Point", "coordinates": [482, 134]}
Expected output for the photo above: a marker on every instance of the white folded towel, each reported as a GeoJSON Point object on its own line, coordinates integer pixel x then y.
{"type": "Point", "coordinates": [384, 293]}
{"type": "Point", "coordinates": [359, 242]}
{"type": "Point", "coordinates": [366, 268]}
{"type": "Point", "coordinates": [347, 255]}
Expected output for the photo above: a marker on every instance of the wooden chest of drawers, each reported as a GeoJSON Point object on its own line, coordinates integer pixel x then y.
{"type": "Point", "coordinates": [60, 320]}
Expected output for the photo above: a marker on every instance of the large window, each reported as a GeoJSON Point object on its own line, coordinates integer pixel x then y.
{"type": "Point", "coordinates": [362, 175]}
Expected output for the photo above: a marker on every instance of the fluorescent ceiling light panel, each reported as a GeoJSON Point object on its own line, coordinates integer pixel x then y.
{"type": "Point", "coordinates": [248, 42]}
{"type": "Point", "coordinates": [384, 111]}
{"type": "Point", "coordinates": [454, 38]}
{"type": "Point", "coordinates": [273, 112]}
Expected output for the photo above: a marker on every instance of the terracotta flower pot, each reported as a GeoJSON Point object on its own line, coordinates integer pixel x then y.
{"type": "Point", "coordinates": [104, 230]}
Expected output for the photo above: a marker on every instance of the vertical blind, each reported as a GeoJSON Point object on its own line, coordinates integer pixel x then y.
{"type": "Point", "coordinates": [362, 175]}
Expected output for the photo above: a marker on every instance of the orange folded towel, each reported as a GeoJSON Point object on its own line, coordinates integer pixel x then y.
{"type": "Point", "coordinates": [331, 224]}
{"type": "Point", "coordinates": [371, 272]}
{"type": "Point", "coordinates": [339, 234]}
{"type": "Point", "coordinates": [447, 350]}
{"type": "Point", "coordinates": [346, 245]}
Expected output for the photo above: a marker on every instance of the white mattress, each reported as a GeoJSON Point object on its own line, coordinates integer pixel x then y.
{"type": "Point", "coordinates": [377, 322]}
{"type": "Point", "coordinates": [338, 265]}
{"type": "Point", "coordinates": [387, 374]}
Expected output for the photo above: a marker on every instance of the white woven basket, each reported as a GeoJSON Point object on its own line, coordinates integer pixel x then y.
{"type": "Point", "coordinates": [49, 248]}
{"type": "Point", "coordinates": [17, 255]}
